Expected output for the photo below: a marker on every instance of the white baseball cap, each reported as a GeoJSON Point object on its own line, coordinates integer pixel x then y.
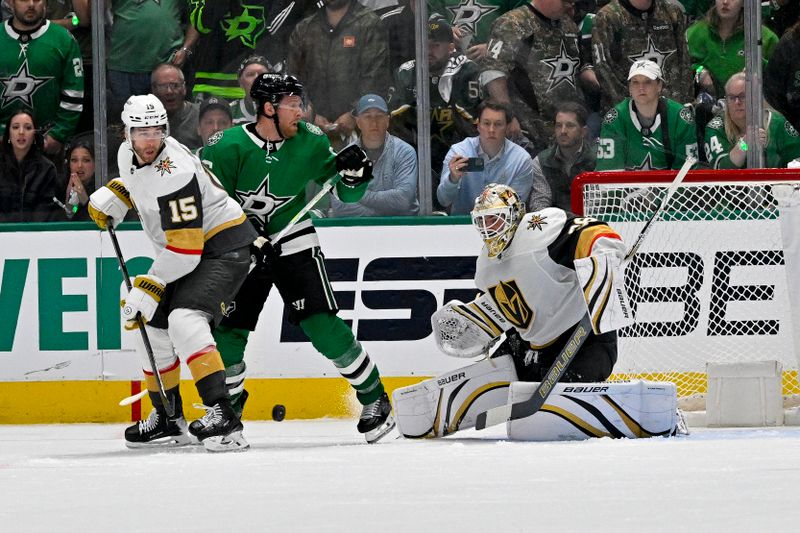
{"type": "Point", "coordinates": [647, 68]}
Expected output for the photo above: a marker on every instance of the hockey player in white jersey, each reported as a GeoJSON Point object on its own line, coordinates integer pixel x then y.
{"type": "Point", "coordinates": [539, 274]}
{"type": "Point", "coordinates": [202, 255]}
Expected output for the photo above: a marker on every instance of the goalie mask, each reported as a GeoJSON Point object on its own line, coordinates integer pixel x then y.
{"type": "Point", "coordinates": [143, 111]}
{"type": "Point", "coordinates": [497, 213]}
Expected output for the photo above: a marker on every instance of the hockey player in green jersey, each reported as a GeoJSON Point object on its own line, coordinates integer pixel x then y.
{"type": "Point", "coordinates": [40, 69]}
{"type": "Point", "coordinates": [646, 131]}
{"type": "Point", "coordinates": [266, 166]}
{"type": "Point", "coordinates": [725, 146]}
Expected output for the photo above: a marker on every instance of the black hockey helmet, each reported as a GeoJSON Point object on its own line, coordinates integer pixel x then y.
{"type": "Point", "coordinates": [269, 87]}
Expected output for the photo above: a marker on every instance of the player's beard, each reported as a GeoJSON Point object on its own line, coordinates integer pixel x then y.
{"type": "Point", "coordinates": [32, 17]}
{"type": "Point", "coordinates": [288, 131]}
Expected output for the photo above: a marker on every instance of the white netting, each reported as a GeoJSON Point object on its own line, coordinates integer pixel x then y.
{"type": "Point", "coordinates": [708, 283]}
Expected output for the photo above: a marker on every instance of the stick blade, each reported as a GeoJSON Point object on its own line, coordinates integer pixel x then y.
{"type": "Point", "coordinates": [492, 417]}
{"type": "Point", "coordinates": [131, 399]}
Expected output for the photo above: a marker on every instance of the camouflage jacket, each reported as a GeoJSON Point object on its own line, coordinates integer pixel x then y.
{"type": "Point", "coordinates": [339, 65]}
{"type": "Point", "coordinates": [622, 34]}
{"type": "Point", "coordinates": [540, 60]}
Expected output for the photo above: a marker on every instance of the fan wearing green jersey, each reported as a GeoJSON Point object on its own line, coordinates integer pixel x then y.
{"type": "Point", "coordinates": [646, 131]}
{"type": "Point", "coordinates": [725, 144]}
{"type": "Point", "coordinates": [266, 165]}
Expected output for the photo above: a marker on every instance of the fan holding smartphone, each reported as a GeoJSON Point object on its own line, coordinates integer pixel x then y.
{"type": "Point", "coordinates": [488, 158]}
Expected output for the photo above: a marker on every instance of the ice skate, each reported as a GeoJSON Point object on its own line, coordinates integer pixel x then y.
{"type": "Point", "coordinates": [376, 419]}
{"type": "Point", "coordinates": [219, 430]}
{"type": "Point", "coordinates": [158, 430]}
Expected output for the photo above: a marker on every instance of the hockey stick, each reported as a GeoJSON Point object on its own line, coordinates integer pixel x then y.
{"type": "Point", "coordinates": [135, 398]}
{"type": "Point", "coordinates": [140, 321]}
{"type": "Point", "coordinates": [326, 188]}
{"type": "Point", "coordinates": [524, 409]}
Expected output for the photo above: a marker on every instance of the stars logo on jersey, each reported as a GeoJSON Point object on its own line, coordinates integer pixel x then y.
{"type": "Point", "coordinates": [512, 304]}
{"type": "Point", "coordinates": [653, 54]}
{"type": "Point", "coordinates": [21, 86]}
{"type": "Point", "coordinates": [468, 13]}
{"type": "Point", "coordinates": [259, 205]}
{"type": "Point", "coordinates": [247, 26]}
{"type": "Point", "coordinates": [536, 222]}
{"type": "Point", "coordinates": [562, 67]}
{"type": "Point", "coordinates": [647, 163]}
{"type": "Point", "coordinates": [313, 128]}
{"type": "Point", "coordinates": [165, 165]}
{"type": "Point", "coordinates": [214, 139]}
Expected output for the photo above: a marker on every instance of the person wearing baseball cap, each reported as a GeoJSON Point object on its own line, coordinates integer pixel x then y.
{"type": "Point", "coordinates": [393, 189]}
{"type": "Point", "coordinates": [244, 109]}
{"type": "Point", "coordinates": [214, 116]}
{"type": "Point", "coordinates": [646, 131]}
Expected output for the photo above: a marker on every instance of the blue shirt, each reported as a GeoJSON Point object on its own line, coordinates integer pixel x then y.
{"type": "Point", "coordinates": [512, 166]}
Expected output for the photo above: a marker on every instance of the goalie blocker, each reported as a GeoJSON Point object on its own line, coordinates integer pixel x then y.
{"type": "Point", "coordinates": [574, 411]}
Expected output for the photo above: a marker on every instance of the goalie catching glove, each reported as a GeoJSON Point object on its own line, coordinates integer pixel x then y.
{"type": "Point", "coordinates": [143, 299]}
{"type": "Point", "coordinates": [354, 166]}
{"type": "Point", "coordinates": [467, 330]}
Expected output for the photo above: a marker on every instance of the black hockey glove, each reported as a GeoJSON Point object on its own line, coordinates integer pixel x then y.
{"type": "Point", "coordinates": [263, 253]}
{"type": "Point", "coordinates": [354, 166]}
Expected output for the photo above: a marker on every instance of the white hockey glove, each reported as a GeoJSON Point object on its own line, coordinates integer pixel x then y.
{"type": "Point", "coordinates": [143, 299]}
{"type": "Point", "coordinates": [467, 330]}
{"type": "Point", "coordinates": [112, 200]}
{"type": "Point", "coordinates": [602, 283]}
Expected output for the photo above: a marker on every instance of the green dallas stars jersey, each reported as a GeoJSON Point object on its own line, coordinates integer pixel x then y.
{"type": "Point", "coordinates": [625, 145]}
{"type": "Point", "coordinates": [783, 142]}
{"type": "Point", "coordinates": [271, 185]}
{"type": "Point", "coordinates": [42, 71]}
{"type": "Point", "coordinates": [474, 16]}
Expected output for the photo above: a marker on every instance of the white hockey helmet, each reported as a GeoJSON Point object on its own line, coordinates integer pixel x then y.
{"type": "Point", "coordinates": [496, 215]}
{"type": "Point", "coordinates": [143, 111]}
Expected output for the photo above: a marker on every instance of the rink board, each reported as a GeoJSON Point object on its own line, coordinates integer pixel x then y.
{"type": "Point", "coordinates": [62, 341]}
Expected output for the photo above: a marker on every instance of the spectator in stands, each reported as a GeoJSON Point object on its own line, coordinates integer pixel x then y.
{"type": "Point", "coordinates": [228, 31]}
{"type": "Point", "coordinates": [81, 179]}
{"type": "Point", "coordinates": [27, 177]}
{"type": "Point", "coordinates": [725, 142]}
{"type": "Point", "coordinates": [339, 53]}
{"type": "Point", "coordinates": [556, 167]}
{"type": "Point", "coordinates": [40, 70]}
{"type": "Point", "coordinates": [397, 18]}
{"type": "Point", "coordinates": [716, 45]}
{"type": "Point", "coordinates": [472, 21]}
{"type": "Point", "coordinates": [244, 109]}
{"type": "Point", "coordinates": [169, 85]}
{"type": "Point", "coordinates": [454, 96]}
{"type": "Point", "coordinates": [75, 16]}
{"type": "Point", "coordinates": [782, 15]}
{"type": "Point", "coordinates": [144, 35]}
{"type": "Point", "coordinates": [533, 62]}
{"type": "Point", "coordinates": [646, 131]}
{"type": "Point", "coordinates": [215, 115]}
{"type": "Point", "coordinates": [782, 76]}
{"type": "Point", "coordinates": [393, 189]}
{"type": "Point", "coordinates": [626, 31]}
{"type": "Point", "coordinates": [488, 158]}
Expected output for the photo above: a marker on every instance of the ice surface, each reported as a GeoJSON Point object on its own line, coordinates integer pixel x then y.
{"type": "Point", "coordinates": [320, 476]}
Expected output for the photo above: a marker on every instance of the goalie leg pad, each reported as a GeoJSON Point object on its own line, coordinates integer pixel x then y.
{"type": "Point", "coordinates": [447, 403]}
{"type": "Point", "coordinates": [578, 411]}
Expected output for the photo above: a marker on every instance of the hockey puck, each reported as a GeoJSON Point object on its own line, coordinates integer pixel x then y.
{"type": "Point", "coordinates": [278, 413]}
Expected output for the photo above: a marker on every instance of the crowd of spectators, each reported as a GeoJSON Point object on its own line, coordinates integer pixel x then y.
{"type": "Point", "coordinates": [528, 93]}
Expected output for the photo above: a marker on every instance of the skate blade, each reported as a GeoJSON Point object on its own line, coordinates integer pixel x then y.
{"type": "Point", "coordinates": [173, 441]}
{"type": "Point", "coordinates": [234, 442]}
{"type": "Point", "coordinates": [381, 431]}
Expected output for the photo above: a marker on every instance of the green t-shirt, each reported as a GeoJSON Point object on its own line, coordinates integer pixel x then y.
{"type": "Point", "coordinates": [145, 33]}
{"type": "Point", "coordinates": [625, 145]}
{"type": "Point", "coordinates": [271, 186]}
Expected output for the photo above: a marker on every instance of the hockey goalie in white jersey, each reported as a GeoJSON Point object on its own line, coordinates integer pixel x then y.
{"type": "Point", "coordinates": [202, 255]}
{"type": "Point", "coordinates": [539, 274]}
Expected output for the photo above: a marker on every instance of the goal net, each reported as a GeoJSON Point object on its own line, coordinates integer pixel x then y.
{"type": "Point", "coordinates": [709, 283]}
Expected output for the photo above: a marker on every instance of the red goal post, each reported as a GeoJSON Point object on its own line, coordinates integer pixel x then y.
{"type": "Point", "coordinates": [709, 283]}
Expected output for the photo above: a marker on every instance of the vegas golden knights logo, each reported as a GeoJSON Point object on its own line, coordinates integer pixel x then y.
{"type": "Point", "coordinates": [512, 304]}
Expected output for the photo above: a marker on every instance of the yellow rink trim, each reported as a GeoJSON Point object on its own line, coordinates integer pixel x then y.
{"type": "Point", "coordinates": [690, 383]}
{"type": "Point", "coordinates": [58, 402]}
